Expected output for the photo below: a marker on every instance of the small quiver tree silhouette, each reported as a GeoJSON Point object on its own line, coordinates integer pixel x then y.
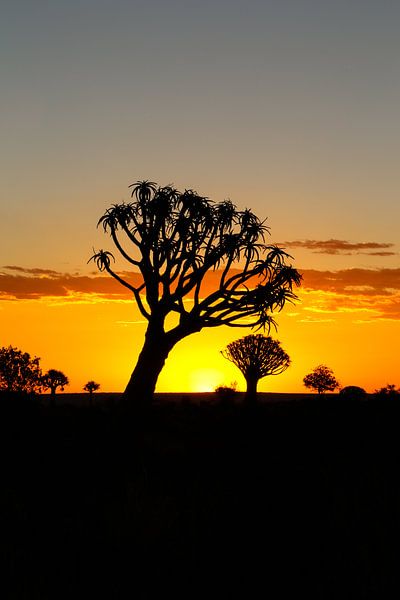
{"type": "Point", "coordinates": [52, 380]}
{"type": "Point", "coordinates": [321, 379]}
{"type": "Point", "coordinates": [19, 373]}
{"type": "Point", "coordinates": [176, 239]}
{"type": "Point", "coordinates": [91, 386]}
{"type": "Point", "coordinates": [256, 356]}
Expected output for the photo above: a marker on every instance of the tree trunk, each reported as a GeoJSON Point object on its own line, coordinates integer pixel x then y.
{"type": "Point", "coordinates": [140, 389]}
{"type": "Point", "coordinates": [251, 391]}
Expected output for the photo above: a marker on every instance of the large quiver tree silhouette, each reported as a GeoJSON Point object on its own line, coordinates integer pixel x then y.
{"type": "Point", "coordinates": [256, 356]}
{"type": "Point", "coordinates": [175, 240]}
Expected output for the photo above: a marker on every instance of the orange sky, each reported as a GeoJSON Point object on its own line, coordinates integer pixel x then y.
{"type": "Point", "coordinates": [88, 327]}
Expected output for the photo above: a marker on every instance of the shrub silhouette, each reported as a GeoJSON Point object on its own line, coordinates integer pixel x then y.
{"type": "Point", "coordinates": [19, 373]}
{"type": "Point", "coordinates": [353, 392]}
{"type": "Point", "coordinates": [226, 393]}
{"type": "Point", "coordinates": [389, 392]}
{"type": "Point", "coordinates": [256, 356]}
{"type": "Point", "coordinates": [52, 380]}
{"type": "Point", "coordinates": [176, 239]}
{"type": "Point", "coordinates": [321, 379]}
{"type": "Point", "coordinates": [91, 386]}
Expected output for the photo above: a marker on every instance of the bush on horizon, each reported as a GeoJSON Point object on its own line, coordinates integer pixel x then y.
{"type": "Point", "coordinates": [389, 391]}
{"type": "Point", "coordinates": [226, 393]}
{"type": "Point", "coordinates": [353, 392]}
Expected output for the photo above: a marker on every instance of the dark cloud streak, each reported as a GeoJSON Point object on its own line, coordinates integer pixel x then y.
{"type": "Point", "coordinates": [34, 285]}
{"type": "Point", "coordinates": [342, 247]}
{"type": "Point", "coordinates": [362, 281]}
{"type": "Point", "coordinates": [34, 271]}
{"type": "Point", "coordinates": [373, 289]}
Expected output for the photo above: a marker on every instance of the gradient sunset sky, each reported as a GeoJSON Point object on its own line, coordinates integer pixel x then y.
{"type": "Point", "coordinates": [290, 108]}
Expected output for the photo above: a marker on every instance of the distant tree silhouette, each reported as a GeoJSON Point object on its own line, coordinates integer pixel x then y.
{"type": "Point", "coordinates": [91, 386]}
{"type": "Point", "coordinates": [176, 239]}
{"type": "Point", "coordinates": [389, 391]}
{"type": "Point", "coordinates": [256, 356]}
{"type": "Point", "coordinates": [18, 371]}
{"type": "Point", "coordinates": [321, 379]}
{"type": "Point", "coordinates": [354, 392]}
{"type": "Point", "coordinates": [52, 380]}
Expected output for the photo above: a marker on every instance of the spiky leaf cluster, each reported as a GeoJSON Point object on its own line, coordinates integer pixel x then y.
{"type": "Point", "coordinates": [175, 238]}
{"type": "Point", "coordinates": [257, 356]}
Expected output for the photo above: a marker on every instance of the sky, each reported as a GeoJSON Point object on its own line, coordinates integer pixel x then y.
{"type": "Point", "coordinates": [289, 108]}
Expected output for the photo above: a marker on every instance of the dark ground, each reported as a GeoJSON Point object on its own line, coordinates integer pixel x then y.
{"type": "Point", "coordinates": [201, 501]}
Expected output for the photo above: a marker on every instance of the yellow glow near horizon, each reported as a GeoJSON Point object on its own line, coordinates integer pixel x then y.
{"type": "Point", "coordinates": [101, 340]}
{"type": "Point", "coordinates": [205, 380]}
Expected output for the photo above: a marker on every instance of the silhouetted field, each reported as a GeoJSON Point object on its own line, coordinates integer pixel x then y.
{"type": "Point", "coordinates": [109, 399]}
{"type": "Point", "coordinates": [201, 500]}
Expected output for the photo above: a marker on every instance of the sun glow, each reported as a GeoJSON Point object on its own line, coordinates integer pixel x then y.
{"type": "Point", "coordinates": [355, 335]}
{"type": "Point", "coordinates": [206, 380]}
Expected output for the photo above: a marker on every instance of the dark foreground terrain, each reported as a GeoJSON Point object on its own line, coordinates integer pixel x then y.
{"type": "Point", "coordinates": [201, 501]}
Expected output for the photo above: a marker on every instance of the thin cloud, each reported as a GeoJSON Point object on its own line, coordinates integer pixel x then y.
{"type": "Point", "coordinates": [373, 291]}
{"type": "Point", "coordinates": [364, 282]}
{"type": "Point", "coordinates": [33, 284]}
{"type": "Point", "coordinates": [38, 283]}
{"type": "Point", "coordinates": [342, 247]}
{"type": "Point", "coordinates": [34, 271]}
